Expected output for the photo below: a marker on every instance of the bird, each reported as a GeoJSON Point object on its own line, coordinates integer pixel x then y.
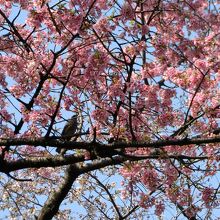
{"type": "Point", "coordinates": [68, 132]}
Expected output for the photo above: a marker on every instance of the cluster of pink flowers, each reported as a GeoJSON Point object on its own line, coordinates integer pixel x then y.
{"type": "Point", "coordinates": [138, 70]}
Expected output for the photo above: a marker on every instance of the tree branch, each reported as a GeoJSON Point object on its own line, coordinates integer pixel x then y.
{"type": "Point", "coordinates": [51, 142]}
{"type": "Point", "coordinates": [52, 204]}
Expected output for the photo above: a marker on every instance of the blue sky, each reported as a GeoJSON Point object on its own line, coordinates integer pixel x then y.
{"type": "Point", "coordinates": [116, 178]}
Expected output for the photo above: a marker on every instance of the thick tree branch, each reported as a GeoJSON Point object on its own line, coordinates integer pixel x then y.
{"type": "Point", "coordinates": [51, 161]}
{"type": "Point", "coordinates": [51, 142]}
{"type": "Point", "coordinates": [52, 204]}
{"type": "Point", "coordinates": [57, 161]}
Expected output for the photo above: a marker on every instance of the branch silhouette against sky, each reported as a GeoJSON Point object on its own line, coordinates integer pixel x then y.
{"type": "Point", "coordinates": [141, 80]}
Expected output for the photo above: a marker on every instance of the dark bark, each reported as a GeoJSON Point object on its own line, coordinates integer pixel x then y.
{"type": "Point", "coordinates": [53, 202]}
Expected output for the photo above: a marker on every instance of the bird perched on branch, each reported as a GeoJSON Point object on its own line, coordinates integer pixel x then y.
{"type": "Point", "coordinates": [68, 131]}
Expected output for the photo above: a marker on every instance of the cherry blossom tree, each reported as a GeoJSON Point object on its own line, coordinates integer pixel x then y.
{"type": "Point", "coordinates": [143, 77]}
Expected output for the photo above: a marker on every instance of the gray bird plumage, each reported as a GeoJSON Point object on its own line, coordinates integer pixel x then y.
{"type": "Point", "coordinates": [70, 128]}
{"type": "Point", "coordinates": [68, 131]}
